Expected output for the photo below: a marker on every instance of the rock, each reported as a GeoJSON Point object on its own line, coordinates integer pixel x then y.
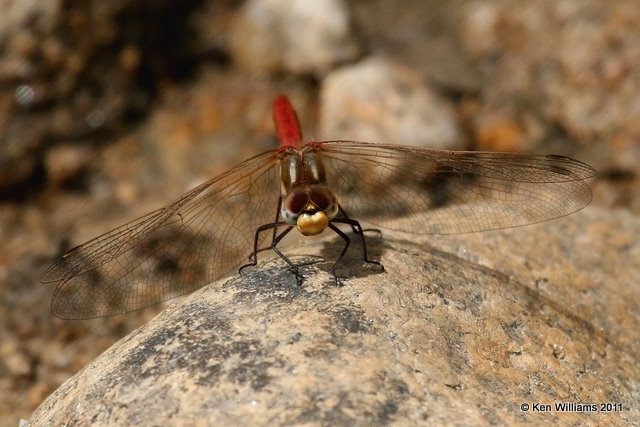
{"type": "Point", "coordinates": [14, 359]}
{"type": "Point", "coordinates": [560, 65]}
{"type": "Point", "coordinates": [63, 74]}
{"type": "Point", "coordinates": [64, 162]}
{"type": "Point", "coordinates": [379, 101]}
{"type": "Point", "coordinates": [296, 36]}
{"type": "Point", "coordinates": [73, 74]}
{"type": "Point", "coordinates": [459, 330]}
{"type": "Point", "coordinates": [422, 35]}
{"type": "Point", "coordinates": [560, 77]}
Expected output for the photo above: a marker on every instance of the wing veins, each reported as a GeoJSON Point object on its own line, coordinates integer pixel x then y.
{"type": "Point", "coordinates": [114, 243]}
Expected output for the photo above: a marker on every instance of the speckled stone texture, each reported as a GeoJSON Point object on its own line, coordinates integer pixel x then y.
{"type": "Point", "coordinates": [459, 330]}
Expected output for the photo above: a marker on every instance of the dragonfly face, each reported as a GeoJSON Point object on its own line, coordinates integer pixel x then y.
{"type": "Point", "coordinates": [307, 202]}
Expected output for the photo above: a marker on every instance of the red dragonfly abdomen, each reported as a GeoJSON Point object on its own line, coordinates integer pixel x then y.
{"type": "Point", "coordinates": [286, 121]}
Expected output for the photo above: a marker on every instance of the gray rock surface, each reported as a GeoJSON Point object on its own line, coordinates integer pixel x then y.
{"type": "Point", "coordinates": [459, 330]}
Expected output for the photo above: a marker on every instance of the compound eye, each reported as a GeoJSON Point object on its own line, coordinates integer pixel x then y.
{"type": "Point", "coordinates": [325, 200]}
{"type": "Point", "coordinates": [297, 200]}
{"type": "Point", "coordinates": [293, 204]}
{"type": "Point", "coordinates": [321, 197]}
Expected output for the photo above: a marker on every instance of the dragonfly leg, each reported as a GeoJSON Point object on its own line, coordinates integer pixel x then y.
{"type": "Point", "coordinates": [292, 267]}
{"type": "Point", "coordinates": [276, 238]}
{"type": "Point", "coordinates": [275, 220]}
{"type": "Point", "coordinates": [347, 242]}
{"type": "Point", "coordinates": [253, 257]}
{"type": "Point", "coordinates": [357, 229]}
{"type": "Point", "coordinates": [274, 226]}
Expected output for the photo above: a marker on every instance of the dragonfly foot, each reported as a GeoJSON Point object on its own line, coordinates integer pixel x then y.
{"type": "Point", "coordinates": [337, 280]}
{"type": "Point", "coordinates": [298, 276]}
{"type": "Point", "coordinates": [251, 264]}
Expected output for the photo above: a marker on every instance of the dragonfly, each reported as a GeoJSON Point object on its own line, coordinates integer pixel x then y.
{"type": "Point", "coordinates": [312, 187]}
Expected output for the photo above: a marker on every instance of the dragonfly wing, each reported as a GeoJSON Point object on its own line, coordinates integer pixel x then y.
{"type": "Point", "coordinates": [430, 191]}
{"type": "Point", "coordinates": [171, 251]}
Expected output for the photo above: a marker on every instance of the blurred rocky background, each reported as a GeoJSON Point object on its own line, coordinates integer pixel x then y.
{"type": "Point", "coordinates": [111, 109]}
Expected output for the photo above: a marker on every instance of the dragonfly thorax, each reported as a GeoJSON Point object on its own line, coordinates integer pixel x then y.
{"type": "Point", "coordinates": [307, 202]}
{"type": "Point", "coordinates": [299, 167]}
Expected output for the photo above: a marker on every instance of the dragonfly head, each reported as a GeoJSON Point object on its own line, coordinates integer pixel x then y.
{"type": "Point", "coordinates": [309, 208]}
